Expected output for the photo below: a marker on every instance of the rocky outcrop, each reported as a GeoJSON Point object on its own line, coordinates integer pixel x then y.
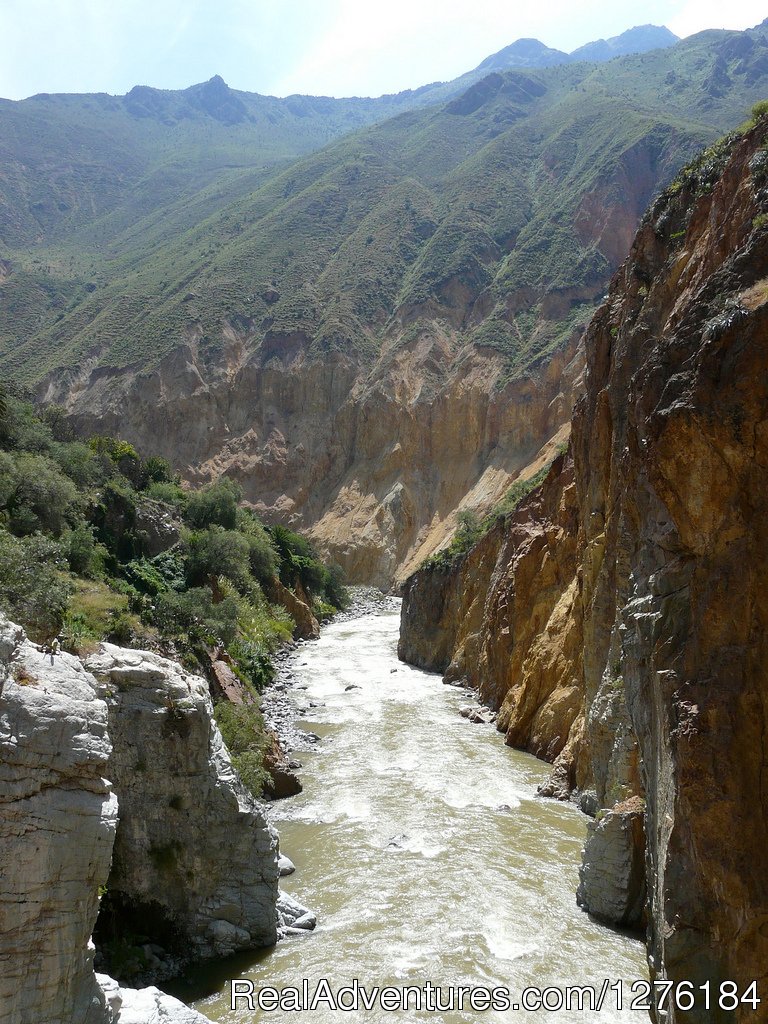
{"type": "Point", "coordinates": [58, 816]}
{"type": "Point", "coordinates": [652, 602]}
{"type": "Point", "coordinates": [156, 528]}
{"type": "Point", "coordinates": [298, 606]}
{"type": "Point", "coordinates": [57, 825]}
{"type": "Point", "coordinates": [195, 863]}
{"type": "Point", "coordinates": [612, 874]}
{"type": "Point", "coordinates": [282, 780]}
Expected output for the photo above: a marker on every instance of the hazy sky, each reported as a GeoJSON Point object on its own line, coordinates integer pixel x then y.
{"type": "Point", "coordinates": [328, 47]}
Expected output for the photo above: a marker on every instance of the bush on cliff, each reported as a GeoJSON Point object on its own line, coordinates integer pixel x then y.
{"type": "Point", "coordinates": [471, 528]}
{"type": "Point", "coordinates": [242, 728]}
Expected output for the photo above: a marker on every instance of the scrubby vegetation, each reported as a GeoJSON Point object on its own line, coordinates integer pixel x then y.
{"type": "Point", "coordinates": [204, 223]}
{"type": "Point", "coordinates": [471, 528]}
{"type": "Point", "coordinates": [98, 543]}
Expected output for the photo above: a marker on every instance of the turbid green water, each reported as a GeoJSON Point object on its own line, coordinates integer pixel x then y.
{"type": "Point", "coordinates": [403, 851]}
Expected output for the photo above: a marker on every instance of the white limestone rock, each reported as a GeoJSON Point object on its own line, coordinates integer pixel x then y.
{"type": "Point", "coordinates": [151, 1006]}
{"type": "Point", "coordinates": [57, 823]}
{"type": "Point", "coordinates": [194, 854]}
{"type": "Point", "coordinates": [293, 915]}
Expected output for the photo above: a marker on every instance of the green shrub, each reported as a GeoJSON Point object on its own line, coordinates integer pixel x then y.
{"type": "Point", "coordinates": [121, 628]}
{"type": "Point", "coordinates": [82, 465]}
{"type": "Point", "coordinates": [262, 556]}
{"type": "Point", "coordinates": [37, 495]}
{"type": "Point", "coordinates": [253, 663]}
{"type": "Point", "coordinates": [242, 728]}
{"type": "Point", "coordinates": [170, 493]}
{"type": "Point", "coordinates": [298, 560]}
{"type": "Point", "coordinates": [22, 430]}
{"type": "Point", "coordinates": [218, 552]}
{"type": "Point", "coordinates": [77, 634]}
{"type": "Point", "coordinates": [215, 505]}
{"type": "Point", "coordinates": [146, 577]}
{"type": "Point", "coordinates": [156, 470]}
{"type": "Point", "coordinates": [194, 613]}
{"type": "Point", "coordinates": [83, 553]}
{"type": "Point", "coordinates": [335, 587]}
{"type": "Point", "coordinates": [34, 588]}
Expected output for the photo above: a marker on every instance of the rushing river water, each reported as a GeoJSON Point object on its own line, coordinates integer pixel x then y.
{"type": "Point", "coordinates": [421, 845]}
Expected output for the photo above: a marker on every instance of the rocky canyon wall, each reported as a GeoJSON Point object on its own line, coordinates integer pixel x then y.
{"type": "Point", "coordinates": [671, 444]}
{"type": "Point", "coordinates": [371, 462]}
{"type": "Point", "coordinates": [648, 606]}
{"type": "Point", "coordinates": [191, 848]}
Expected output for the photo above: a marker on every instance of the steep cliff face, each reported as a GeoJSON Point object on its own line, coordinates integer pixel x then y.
{"type": "Point", "coordinates": [194, 863]}
{"type": "Point", "coordinates": [671, 446]}
{"type": "Point", "coordinates": [657, 579]}
{"type": "Point", "coordinates": [507, 619]}
{"type": "Point", "coordinates": [371, 462]}
{"type": "Point", "coordinates": [57, 827]}
{"type": "Point", "coordinates": [53, 756]}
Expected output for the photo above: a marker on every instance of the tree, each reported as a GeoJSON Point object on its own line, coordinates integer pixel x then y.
{"type": "Point", "coordinates": [40, 497]}
{"type": "Point", "coordinates": [215, 505]}
{"type": "Point", "coordinates": [33, 588]}
{"type": "Point", "coordinates": [218, 552]}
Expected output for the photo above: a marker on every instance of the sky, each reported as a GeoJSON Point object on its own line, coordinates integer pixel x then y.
{"type": "Point", "coordinates": [320, 47]}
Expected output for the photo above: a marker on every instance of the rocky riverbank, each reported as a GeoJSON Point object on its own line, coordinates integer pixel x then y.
{"type": "Point", "coordinates": [283, 703]}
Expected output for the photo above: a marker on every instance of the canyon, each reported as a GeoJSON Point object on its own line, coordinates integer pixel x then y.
{"type": "Point", "coordinates": [373, 331]}
{"type": "Point", "coordinates": [616, 618]}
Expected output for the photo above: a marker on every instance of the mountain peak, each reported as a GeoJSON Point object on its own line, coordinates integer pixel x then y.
{"type": "Point", "coordinates": [523, 53]}
{"type": "Point", "coordinates": [639, 39]}
{"type": "Point", "coordinates": [532, 53]}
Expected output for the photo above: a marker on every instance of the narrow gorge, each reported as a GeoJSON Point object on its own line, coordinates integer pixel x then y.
{"type": "Point", "coordinates": [615, 619]}
{"type": "Point", "coordinates": [356, 484]}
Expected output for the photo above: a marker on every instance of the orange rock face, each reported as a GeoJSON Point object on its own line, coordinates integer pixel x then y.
{"type": "Point", "coordinates": [671, 445]}
{"type": "Point", "coordinates": [507, 619]}
{"type": "Point", "coordinates": [619, 620]}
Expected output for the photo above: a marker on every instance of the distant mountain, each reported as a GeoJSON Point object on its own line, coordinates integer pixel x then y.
{"type": "Point", "coordinates": [524, 53]}
{"type": "Point", "coordinates": [640, 39]}
{"type": "Point", "coordinates": [196, 272]}
{"type": "Point", "coordinates": [531, 53]}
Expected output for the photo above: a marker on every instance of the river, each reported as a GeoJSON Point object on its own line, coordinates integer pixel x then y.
{"type": "Point", "coordinates": [422, 847]}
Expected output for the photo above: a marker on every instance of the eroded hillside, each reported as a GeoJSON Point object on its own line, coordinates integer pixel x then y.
{"type": "Point", "coordinates": [386, 330]}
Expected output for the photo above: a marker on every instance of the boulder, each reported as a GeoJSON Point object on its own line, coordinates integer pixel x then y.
{"type": "Point", "coordinates": [612, 874]}
{"type": "Point", "coordinates": [283, 781]}
{"type": "Point", "coordinates": [293, 915]}
{"type": "Point", "coordinates": [193, 851]}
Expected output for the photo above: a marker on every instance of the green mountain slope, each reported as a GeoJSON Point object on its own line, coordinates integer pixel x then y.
{"type": "Point", "coordinates": [500, 212]}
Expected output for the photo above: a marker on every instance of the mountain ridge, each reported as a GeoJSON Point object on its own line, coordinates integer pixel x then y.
{"type": "Point", "coordinates": [303, 326]}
